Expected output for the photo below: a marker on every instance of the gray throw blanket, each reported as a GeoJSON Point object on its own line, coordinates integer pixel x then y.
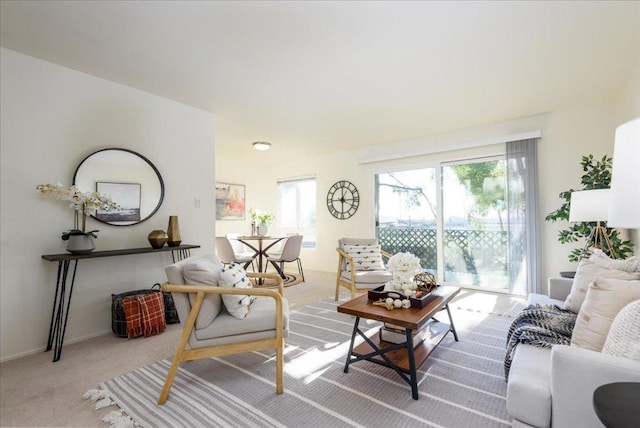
{"type": "Point", "coordinates": [539, 325]}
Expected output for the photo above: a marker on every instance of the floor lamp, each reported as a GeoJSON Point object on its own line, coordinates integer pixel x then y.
{"type": "Point", "coordinates": [624, 210]}
{"type": "Point", "coordinates": [590, 206]}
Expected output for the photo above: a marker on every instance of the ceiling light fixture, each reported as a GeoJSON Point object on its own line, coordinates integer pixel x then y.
{"type": "Point", "coordinates": [261, 145]}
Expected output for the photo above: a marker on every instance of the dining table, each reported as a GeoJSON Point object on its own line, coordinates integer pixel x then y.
{"type": "Point", "coordinates": [261, 244]}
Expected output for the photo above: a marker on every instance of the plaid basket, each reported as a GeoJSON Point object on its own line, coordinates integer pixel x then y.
{"type": "Point", "coordinates": [118, 319]}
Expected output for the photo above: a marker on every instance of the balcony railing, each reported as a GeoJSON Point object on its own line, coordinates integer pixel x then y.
{"type": "Point", "coordinates": [471, 257]}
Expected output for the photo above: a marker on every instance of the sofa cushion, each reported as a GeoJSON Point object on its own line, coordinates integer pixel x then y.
{"type": "Point", "coordinates": [234, 276]}
{"type": "Point", "coordinates": [529, 386]}
{"type": "Point", "coordinates": [605, 298]}
{"type": "Point", "coordinates": [631, 264]}
{"type": "Point", "coordinates": [586, 273]}
{"type": "Point", "coordinates": [204, 270]}
{"type": "Point", "coordinates": [259, 322]}
{"type": "Point", "coordinates": [542, 299]}
{"type": "Point", "coordinates": [623, 339]}
{"type": "Point", "coordinates": [367, 279]}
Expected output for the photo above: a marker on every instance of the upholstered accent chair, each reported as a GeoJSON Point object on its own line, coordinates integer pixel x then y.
{"type": "Point", "coordinates": [360, 265]}
{"type": "Point", "coordinates": [200, 290]}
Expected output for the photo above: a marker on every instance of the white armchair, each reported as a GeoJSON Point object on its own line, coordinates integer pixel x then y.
{"type": "Point", "coordinates": [348, 275]}
{"type": "Point", "coordinates": [212, 331]}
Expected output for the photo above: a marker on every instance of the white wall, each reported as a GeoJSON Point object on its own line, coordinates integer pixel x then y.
{"type": "Point", "coordinates": [567, 135]}
{"type": "Point", "coordinates": [51, 118]}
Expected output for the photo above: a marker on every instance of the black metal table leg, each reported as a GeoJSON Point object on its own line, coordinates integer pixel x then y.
{"type": "Point", "coordinates": [55, 302]}
{"type": "Point", "coordinates": [58, 325]}
{"type": "Point", "coordinates": [453, 328]}
{"type": "Point", "coordinates": [353, 339]}
{"type": "Point", "coordinates": [412, 365]}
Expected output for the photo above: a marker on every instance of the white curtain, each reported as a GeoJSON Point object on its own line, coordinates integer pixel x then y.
{"type": "Point", "coordinates": [522, 207]}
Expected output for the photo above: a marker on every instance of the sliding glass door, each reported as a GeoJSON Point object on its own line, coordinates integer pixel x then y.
{"type": "Point", "coordinates": [470, 233]}
{"type": "Point", "coordinates": [474, 224]}
{"type": "Point", "coordinates": [407, 213]}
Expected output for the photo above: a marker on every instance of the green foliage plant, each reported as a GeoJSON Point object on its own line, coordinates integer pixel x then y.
{"type": "Point", "coordinates": [597, 175]}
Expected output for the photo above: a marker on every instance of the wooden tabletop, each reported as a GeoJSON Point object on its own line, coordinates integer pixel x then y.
{"type": "Point", "coordinates": [412, 318]}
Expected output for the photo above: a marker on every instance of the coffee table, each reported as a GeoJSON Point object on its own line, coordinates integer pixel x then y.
{"type": "Point", "coordinates": [401, 357]}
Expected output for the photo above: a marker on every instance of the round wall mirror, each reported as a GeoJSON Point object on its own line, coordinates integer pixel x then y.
{"type": "Point", "coordinates": [128, 178]}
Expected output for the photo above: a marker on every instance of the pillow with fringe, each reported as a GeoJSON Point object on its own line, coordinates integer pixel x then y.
{"type": "Point", "coordinates": [632, 264]}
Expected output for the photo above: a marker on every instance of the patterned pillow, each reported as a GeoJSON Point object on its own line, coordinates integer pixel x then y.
{"type": "Point", "coordinates": [605, 299]}
{"type": "Point", "coordinates": [623, 339]}
{"type": "Point", "coordinates": [365, 257]}
{"type": "Point", "coordinates": [234, 276]}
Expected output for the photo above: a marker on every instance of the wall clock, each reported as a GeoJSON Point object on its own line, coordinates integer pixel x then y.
{"type": "Point", "coordinates": [343, 199]}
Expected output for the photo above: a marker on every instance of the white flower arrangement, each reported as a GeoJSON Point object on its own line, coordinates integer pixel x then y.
{"type": "Point", "coordinates": [83, 204]}
{"type": "Point", "coordinates": [261, 217]}
{"type": "Point", "coordinates": [404, 264]}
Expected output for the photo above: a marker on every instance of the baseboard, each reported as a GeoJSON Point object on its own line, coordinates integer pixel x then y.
{"type": "Point", "coordinates": [66, 343]}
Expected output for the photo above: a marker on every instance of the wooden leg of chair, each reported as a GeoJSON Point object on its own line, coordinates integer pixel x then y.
{"type": "Point", "coordinates": [182, 344]}
{"type": "Point", "coordinates": [280, 368]}
{"type": "Point", "coordinates": [337, 290]}
{"type": "Point", "coordinates": [169, 380]}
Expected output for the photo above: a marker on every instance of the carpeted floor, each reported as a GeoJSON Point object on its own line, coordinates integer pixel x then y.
{"type": "Point", "coordinates": [461, 384]}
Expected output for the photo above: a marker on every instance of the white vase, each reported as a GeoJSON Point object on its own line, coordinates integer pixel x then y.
{"type": "Point", "coordinates": [80, 244]}
{"type": "Point", "coordinates": [262, 229]}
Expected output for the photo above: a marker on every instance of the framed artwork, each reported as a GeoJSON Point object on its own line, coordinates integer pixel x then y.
{"type": "Point", "coordinates": [230, 201]}
{"type": "Point", "coordinates": [127, 195]}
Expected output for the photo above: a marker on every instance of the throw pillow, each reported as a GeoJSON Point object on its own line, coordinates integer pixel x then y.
{"type": "Point", "coordinates": [234, 276]}
{"type": "Point", "coordinates": [204, 270]}
{"type": "Point", "coordinates": [587, 271]}
{"type": "Point", "coordinates": [623, 339]}
{"type": "Point", "coordinates": [605, 299]}
{"type": "Point", "coordinates": [365, 257]}
{"type": "Point", "coordinates": [631, 264]}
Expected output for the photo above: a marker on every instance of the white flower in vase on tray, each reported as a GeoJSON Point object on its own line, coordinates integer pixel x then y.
{"type": "Point", "coordinates": [404, 264]}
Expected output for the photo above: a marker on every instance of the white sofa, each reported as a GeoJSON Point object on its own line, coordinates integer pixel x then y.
{"type": "Point", "coordinates": [554, 387]}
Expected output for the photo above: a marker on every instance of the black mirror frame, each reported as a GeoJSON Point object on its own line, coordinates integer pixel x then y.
{"type": "Point", "coordinates": [144, 159]}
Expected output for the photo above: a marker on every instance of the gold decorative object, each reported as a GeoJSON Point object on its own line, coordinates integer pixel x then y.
{"type": "Point", "coordinates": [173, 231]}
{"type": "Point", "coordinates": [426, 281]}
{"type": "Point", "coordinates": [157, 238]}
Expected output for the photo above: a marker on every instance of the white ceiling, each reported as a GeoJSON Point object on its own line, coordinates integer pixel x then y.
{"type": "Point", "coordinates": [326, 76]}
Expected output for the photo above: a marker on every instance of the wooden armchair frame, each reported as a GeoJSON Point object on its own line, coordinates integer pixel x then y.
{"type": "Point", "coordinates": [350, 285]}
{"type": "Point", "coordinates": [184, 354]}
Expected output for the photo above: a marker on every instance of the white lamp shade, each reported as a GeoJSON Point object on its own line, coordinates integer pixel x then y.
{"type": "Point", "coordinates": [624, 210]}
{"type": "Point", "coordinates": [589, 205]}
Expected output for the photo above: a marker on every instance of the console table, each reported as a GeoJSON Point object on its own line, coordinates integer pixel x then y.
{"type": "Point", "coordinates": [60, 311]}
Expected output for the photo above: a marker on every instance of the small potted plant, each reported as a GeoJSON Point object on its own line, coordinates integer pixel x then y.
{"type": "Point", "coordinates": [262, 221]}
{"type": "Point", "coordinates": [80, 241]}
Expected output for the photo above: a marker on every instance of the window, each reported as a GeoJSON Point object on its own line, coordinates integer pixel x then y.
{"type": "Point", "coordinates": [297, 212]}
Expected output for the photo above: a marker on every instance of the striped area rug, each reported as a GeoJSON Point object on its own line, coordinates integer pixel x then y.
{"type": "Point", "coordinates": [461, 384]}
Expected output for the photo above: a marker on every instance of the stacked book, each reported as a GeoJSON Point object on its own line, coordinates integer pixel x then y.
{"type": "Point", "coordinates": [392, 333]}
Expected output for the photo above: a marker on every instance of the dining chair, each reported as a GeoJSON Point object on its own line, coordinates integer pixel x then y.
{"type": "Point", "coordinates": [224, 250]}
{"type": "Point", "coordinates": [360, 265]}
{"type": "Point", "coordinates": [239, 248]}
{"type": "Point", "coordinates": [290, 253]}
{"type": "Point", "coordinates": [199, 287]}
